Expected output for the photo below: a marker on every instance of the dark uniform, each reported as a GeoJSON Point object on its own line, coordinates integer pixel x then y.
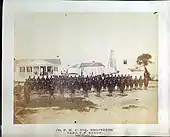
{"type": "Point", "coordinates": [127, 82]}
{"type": "Point", "coordinates": [136, 82]}
{"type": "Point", "coordinates": [61, 86]}
{"type": "Point", "coordinates": [27, 90]}
{"type": "Point", "coordinates": [51, 87]}
{"type": "Point", "coordinates": [110, 86]}
{"type": "Point", "coordinates": [122, 84]}
{"type": "Point", "coordinates": [140, 82]}
{"type": "Point", "coordinates": [146, 79]}
{"type": "Point", "coordinates": [29, 80]}
{"type": "Point", "coordinates": [38, 85]}
{"type": "Point", "coordinates": [85, 87]}
{"type": "Point", "coordinates": [118, 82]}
{"type": "Point", "coordinates": [34, 83]}
{"type": "Point", "coordinates": [43, 84]}
{"type": "Point", "coordinates": [98, 85]}
{"type": "Point", "coordinates": [17, 91]}
{"type": "Point", "coordinates": [47, 84]}
{"type": "Point", "coordinates": [131, 83]}
{"type": "Point", "coordinates": [72, 86]}
{"type": "Point", "coordinates": [104, 82]}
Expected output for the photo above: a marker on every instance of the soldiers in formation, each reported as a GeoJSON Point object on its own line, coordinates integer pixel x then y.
{"type": "Point", "coordinates": [63, 83]}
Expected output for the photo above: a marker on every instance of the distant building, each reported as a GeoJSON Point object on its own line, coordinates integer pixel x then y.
{"type": "Point", "coordinates": [36, 67]}
{"type": "Point", "coordinates": [93, 68]}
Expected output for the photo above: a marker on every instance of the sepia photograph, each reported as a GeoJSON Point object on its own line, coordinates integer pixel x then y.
{"type": "Point", "coordinates": [85, 68]}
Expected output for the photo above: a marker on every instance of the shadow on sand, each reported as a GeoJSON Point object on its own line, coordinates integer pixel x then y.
{"type": "Point", "coordinates": [76, 103]}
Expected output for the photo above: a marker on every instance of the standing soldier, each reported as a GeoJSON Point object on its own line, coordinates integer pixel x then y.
{"type": "Point", "coordinates": [72, 87]}
{"type": "Point", "coordinates": [38, 86]}
{"type": "Point", "coordinates": [43, 84]}
{"type": "Point", "coordinates": [34, 82]}
{"type": "Point", "coordinates": [61, 87]}
{"type": "Point", "coordinates": [140, 82]}
{"type": "Point", "coordinates": [47, 84]}
{"type": "Point", "coordinates": [106, 81]}
{"type": "Point", "coordinates": [51, 79]}
{"type": "Point", "coordinates": [103, 82]}
{"type": "Point", "coordinates": [18, 89]}
{"type": "Point", "coordinates": [122, 84]}
{"type": "Point", "coordinates": [127, 82]}
{"type": "Point", "coordinates": [85, 87]}
{"type": "Point", "coordinates": [118, 82]}
{"type": "Point", "coordinates": [114, 82]}
{"type": "Point", "coordinates": [136, 82]}
{"type": "Point", "coordinates": [79, 83]}
{"type": "Point", "coordinates": [131, 83]}
{"type": "Point", "coordinates": [146, 79]}
{"type": "Point", "coordinates": [27, 90]}
{"type": "Point", "coordinates": [110, 87]}
{"type": "Point", "coordinates": [99, 85]}
{"type": "Point", "coordinates": [51, 89]}
{"type": "Point", "coordinates": [29, 80]}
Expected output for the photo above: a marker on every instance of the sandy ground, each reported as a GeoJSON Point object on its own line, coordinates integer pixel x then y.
{"type": "Point", "coordinates": [138, 107]}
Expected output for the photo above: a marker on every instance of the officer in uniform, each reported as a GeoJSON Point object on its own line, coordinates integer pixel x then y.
{"type": "Point", "coordinates": [127, 82]}
{"type": "Point", "coordinates": [61, 87]}
{"type": "Point", "coordinates": [29, 80]}
{"type": "Point", "coordinates": [34, 82]}
{"type": "Point", "coordinates": [27, 90]}
{"type": "Point", "coordinates": [103, 82]}
{"type": "Point", "coordinates": [85, 87]}
{"type": "Point", "coordinates": [51, 88]}
{"type": "Point", "coordinates": [38, 85]}
{"type": "Point", "coordinates": [140, 82]}
{"type": "Point", "coordinates": [146, 79]}
{"type": "Point", "coordinates": [98, 85]}
{"type": "Point", "coordinates": [131, 83]}
{"type": "Point", "coordinates": [110, 87]}
{"type": "Point", "coordinates": [122, 84]}
{"type": "Point", "coordinates": [72, 87]}
{"type": "Point", "coordinates": [43, 84]}
{"type": "Point", "coordinates": [136, 82]}
{"type": "Point", "coordinates": [79, 83]}
{"type": "Point", "coordinates": [47, 84]}
{"type": "Point", "coordinates": [118, 82]}
{"type": "Point", "coordinates": [18, 89]}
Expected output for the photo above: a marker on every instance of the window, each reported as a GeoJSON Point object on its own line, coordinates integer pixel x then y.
{"type": "Point", "coordinates": [22, 69]}
{"type": "Point", "coordinates": [29, 69]}
{"type": "Point", "coordinates": [49, 69]}
{"type": "Point", "coordinates": [55, 68]}
{"type": "Point", "coordinates": [36, 70]}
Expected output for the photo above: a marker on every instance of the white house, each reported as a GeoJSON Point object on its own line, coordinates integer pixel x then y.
{"type": "Point", "coordinates": [87, 69]}
{"type": "Point", "coordinates": [36, 67]}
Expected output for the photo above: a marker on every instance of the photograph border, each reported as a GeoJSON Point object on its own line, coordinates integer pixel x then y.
{"type": "Point", "coordinates": [23, 6]}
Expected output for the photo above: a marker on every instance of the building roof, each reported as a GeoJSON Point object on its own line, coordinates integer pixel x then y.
{"type": "Point", "coordinates": [97, 64]}
{"type": "Point", "coordinates": [48, 61]}
{"type": "Point", "coordinates": [54, 61]}
{"type": "Point", "coordinates": [75, 66]}
{"type": "Point", "coordinates": [36, 63]}
{"type": "Point", "coordinates": [82, 65]}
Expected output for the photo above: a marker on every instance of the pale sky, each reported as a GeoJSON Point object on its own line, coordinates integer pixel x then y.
{"type": "Point", "coordinates": [84, 37]}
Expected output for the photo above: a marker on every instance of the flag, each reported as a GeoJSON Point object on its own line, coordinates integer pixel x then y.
{"type": "Point", "coordinates": [124, 61]}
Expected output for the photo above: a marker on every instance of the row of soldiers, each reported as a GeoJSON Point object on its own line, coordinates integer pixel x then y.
{"type": "Point", "coordinates": [110, 82]}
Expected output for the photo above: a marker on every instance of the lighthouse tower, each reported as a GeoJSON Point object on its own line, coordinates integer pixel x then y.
{"type": "Point", "coordinates": [112, 61]}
